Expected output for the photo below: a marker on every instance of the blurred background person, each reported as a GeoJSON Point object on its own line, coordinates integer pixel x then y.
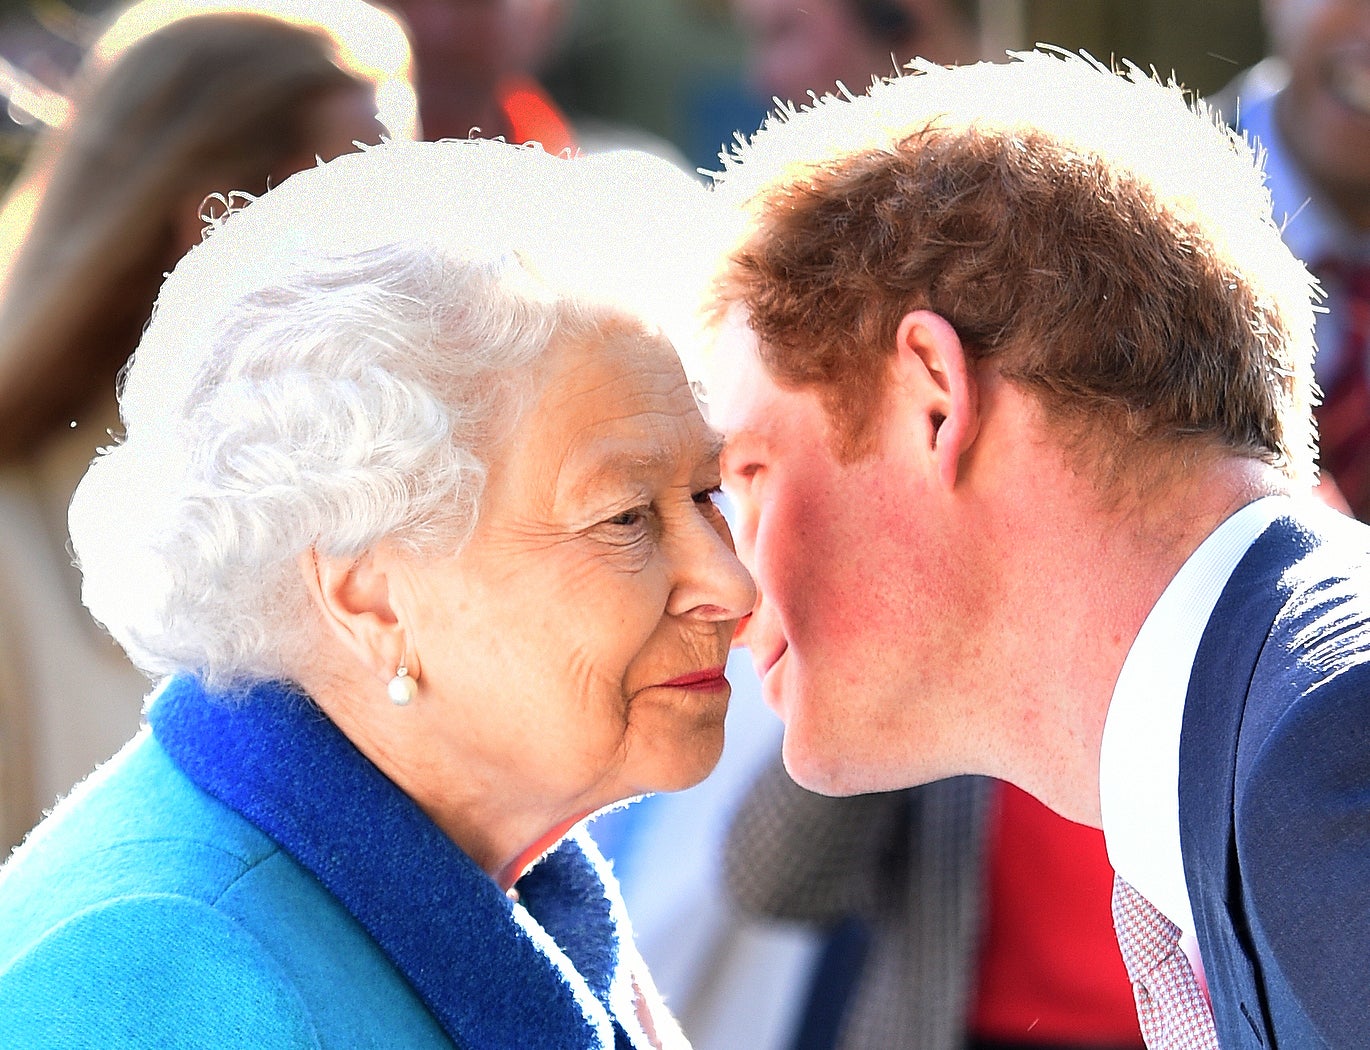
{"type": "Point", "coordinates": [797, 48]}
{"type": "Point", "coordinates": [964, 915]}
{"type": "Point", "coordinates": [476, 68]}
{"type": "Point", "coordinates": [175, 102]}
{"type": "Point", "coordinates": [473, 65]}
{"type": "Point", "coordinates": [1308, 104]}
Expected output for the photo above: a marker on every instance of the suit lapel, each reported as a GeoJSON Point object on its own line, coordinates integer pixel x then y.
{"type": "Point", "coordinates": [1215, 706]}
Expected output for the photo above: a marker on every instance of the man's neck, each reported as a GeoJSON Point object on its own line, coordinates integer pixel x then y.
{"type": "Point", "coordinates": [1075, 610]}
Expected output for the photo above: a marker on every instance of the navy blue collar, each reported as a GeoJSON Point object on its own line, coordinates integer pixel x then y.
{"type": "Point", "coordinates": [494, 974]}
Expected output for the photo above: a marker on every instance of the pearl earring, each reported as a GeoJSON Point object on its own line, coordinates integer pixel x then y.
{"type": "Point", "coordinates": [402, 689]}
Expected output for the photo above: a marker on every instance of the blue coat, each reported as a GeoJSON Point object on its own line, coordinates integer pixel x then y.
{"type": "Point", "coordinates": [1275, 790]}
{"type": "Point", "coordinates": [242, 876]}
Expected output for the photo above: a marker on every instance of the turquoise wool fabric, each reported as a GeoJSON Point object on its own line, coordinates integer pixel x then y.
{"type": "Point", "coordinates": [243, 876]}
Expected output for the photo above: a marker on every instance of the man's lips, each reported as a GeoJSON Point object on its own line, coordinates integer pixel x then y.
{"type": "Point", "coordinates": [707, 679]}
{"type": "Point", "coordinates": [770, 687]}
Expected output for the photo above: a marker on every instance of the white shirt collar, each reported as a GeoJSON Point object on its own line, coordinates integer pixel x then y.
{"type": "Point", "coordinates": [1139, 763]}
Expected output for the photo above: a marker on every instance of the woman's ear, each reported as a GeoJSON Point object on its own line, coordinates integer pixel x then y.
{"type": "Point", "coordinates": [355, 597]}
{"type": "Point", "coordinates": [938, 384]}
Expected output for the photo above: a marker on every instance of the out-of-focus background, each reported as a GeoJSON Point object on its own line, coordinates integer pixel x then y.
{"type": "Point", "coordinates": [678, 68]}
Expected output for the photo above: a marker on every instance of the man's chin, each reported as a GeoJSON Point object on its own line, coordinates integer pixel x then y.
{"type": "Point", "coordinates": [818, 769]}
{"type": "Point", "coordinates": [838, 768]}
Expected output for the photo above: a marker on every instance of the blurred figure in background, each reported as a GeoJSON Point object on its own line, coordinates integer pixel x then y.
{"type": "Point", "coordinates": [1308, 105]}
{"type": "Point", "coordinates": [472, 69]}
{"type": "Point", "coordinates": [476, 64]}
{"type": "Point", "coordinates": [966, 914]}
{"type": "Point", "coordinates": [175, 103]}
{"type": "Point", "coordinates": [797, 48]}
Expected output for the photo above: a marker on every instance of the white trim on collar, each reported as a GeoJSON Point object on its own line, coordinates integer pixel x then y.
{"type": "Point", "coordinates": [1139, 762]}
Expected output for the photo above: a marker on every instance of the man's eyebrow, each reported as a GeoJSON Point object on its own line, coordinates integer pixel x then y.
{"type": "Point", "coordinates": [716, 443]}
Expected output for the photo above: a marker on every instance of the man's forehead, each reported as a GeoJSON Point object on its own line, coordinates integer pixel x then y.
{"type": "Point", "coordinates": [736, 375]}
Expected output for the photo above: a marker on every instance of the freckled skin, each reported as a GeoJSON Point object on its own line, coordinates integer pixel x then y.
{"type": "Point", "coordinates": [854, 635]}
{"type": "Point", "coordinates": [593, 577]}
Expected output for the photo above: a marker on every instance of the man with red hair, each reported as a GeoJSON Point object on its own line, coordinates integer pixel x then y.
{"type": "Point", "coordinates": [1015, 378]}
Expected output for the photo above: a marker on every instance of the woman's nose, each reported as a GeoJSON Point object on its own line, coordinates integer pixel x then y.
{"type": "Point", "coordinates": [712, 582]}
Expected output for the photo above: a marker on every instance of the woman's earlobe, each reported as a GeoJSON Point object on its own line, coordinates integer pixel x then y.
{"type": "Point", "coordinates": [354, 600]}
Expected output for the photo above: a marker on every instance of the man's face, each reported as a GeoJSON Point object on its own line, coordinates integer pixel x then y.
{"type": "Point", "coordinates": [1325, 111]}
{"type": "Point", "coordinates": [853, 625]}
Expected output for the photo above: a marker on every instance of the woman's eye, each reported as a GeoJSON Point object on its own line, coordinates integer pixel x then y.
{"type": "Point", "coordinates": [629, 518]}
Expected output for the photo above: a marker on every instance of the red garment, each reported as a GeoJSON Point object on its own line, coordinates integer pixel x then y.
{"type": "Point", "coordinates": [1344, 415]}
{"type": "Point", "coordinates": [532, 116]}
{"type": "Point", "coordinates": [1049, 967]}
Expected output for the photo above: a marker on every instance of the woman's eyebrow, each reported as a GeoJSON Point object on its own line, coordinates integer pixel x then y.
{"type": "Point", "coordinates": [607, 461]}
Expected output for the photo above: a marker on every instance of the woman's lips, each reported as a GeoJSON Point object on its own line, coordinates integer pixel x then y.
{"type": "Point", "coordinates": [707, 680]}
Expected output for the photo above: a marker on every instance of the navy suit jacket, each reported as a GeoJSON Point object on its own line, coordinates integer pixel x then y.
{"type": "Point", "coordinates": [1275, 789]}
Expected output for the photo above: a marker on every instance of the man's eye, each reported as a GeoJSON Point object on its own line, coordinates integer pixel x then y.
{"type": "Point", "coordinates": [710, 495]}
{"type": "Point", "coordinates": [741, 476]}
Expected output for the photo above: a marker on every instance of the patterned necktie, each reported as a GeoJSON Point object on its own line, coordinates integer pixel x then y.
{"type": "Point", "coordinates": [1344, 415]}
{"type": "Point", "coordinates": [1171, 1006]}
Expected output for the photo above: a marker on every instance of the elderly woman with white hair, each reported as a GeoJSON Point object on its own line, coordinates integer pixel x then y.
{"type": "Point", "coordinates": [414, 518]}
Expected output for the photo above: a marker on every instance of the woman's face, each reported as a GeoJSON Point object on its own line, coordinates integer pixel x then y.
{"type": "Point", "coordinates": [572, 653]}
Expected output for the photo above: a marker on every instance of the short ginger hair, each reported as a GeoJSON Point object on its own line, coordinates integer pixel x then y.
{"type": "Point", "coordinates": [1099, 240]}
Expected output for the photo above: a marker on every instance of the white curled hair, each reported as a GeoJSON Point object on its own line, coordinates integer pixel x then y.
{"type": "Point", "coordinates": [332, 367]}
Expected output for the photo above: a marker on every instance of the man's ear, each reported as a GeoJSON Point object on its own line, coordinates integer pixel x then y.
{"type": "Point", "coordinates": [932, 370]}
{"type": "Point", "coordinates": [355, 598]}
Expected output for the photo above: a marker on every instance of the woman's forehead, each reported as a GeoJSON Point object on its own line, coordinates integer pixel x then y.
{"type": "Point", "coordinates": [618, 407]}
